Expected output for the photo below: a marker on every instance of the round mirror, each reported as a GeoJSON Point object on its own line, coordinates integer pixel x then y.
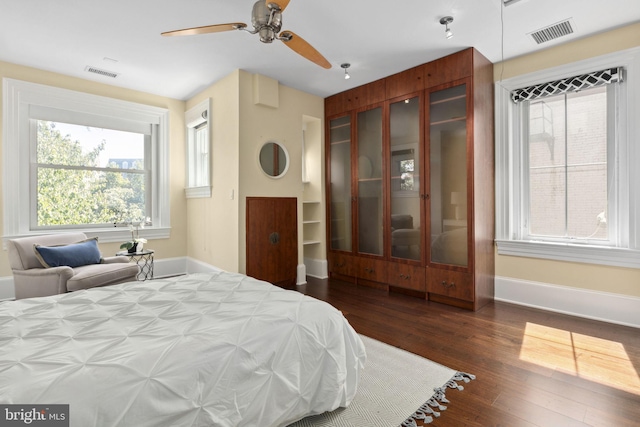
{"type": "Point", "coordinates": [274, 159]}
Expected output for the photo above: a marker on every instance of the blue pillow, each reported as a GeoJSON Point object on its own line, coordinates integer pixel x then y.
{"type": "Point", "coordinates": [73, 255]}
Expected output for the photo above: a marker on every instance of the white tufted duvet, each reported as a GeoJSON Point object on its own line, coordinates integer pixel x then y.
{"type": "Point", "coordinates": [217, 349]}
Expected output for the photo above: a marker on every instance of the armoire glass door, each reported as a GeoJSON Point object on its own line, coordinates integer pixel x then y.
{"type": "Point", "coordinates": [448, 176]}
{"type": "Point", "coordinates": [370, 195]}
{"type": "Point", "coordinates": [340, 152]}
{"type": "Point", "coordinates": [404, 185]}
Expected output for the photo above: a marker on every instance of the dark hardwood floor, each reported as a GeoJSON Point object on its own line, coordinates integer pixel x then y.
{"type": "Point", "coordinates": [533, 367]}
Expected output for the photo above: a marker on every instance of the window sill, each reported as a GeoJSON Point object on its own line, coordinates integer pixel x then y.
{"type": "Point", "coordinates": [197, 192]}
{"type": "Point", "coordinates": [616, 257]}
{"type": "Point", "coordinates": [104, 235]}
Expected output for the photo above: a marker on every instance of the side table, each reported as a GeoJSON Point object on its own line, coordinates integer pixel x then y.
{"type": "Point", "coordinates": [144, 259]}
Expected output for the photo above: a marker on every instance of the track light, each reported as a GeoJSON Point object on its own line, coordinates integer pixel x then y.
{"type": "Point", "coordinates": [346, 73]}
{"type": "Point", "coordinates": [446, 21]}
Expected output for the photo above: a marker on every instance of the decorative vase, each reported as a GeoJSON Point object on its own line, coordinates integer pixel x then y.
{"type": "Point", "coordinates": [133, 249]}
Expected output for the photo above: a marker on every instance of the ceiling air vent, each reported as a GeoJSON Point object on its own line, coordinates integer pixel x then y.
{"type": "Point", "coordinates": [101, 72]}
{"type": "Point", "coordinates": [552, 32]}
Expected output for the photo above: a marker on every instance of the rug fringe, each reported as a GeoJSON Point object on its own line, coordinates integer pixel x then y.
{"type": "Point", "coordinates": [426, 413]}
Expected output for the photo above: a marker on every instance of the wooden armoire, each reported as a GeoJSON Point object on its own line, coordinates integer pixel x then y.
{"type": "Point", "coordinates": [272, 239]}
{"type": "Point", "coordinates": [410, 182]}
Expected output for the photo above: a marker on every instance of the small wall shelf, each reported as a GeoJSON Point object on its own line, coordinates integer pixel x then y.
{"type": "Point", "coordinates": [311, 220]}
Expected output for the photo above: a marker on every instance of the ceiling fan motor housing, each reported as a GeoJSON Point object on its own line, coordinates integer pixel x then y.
{"type": "Point", "coordinates": [266, 20]}
{"type": "Point", "coordinates": [266, 34]}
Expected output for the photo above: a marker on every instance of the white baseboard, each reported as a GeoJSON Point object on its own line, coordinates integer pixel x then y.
{"type": "Point", "coordinates": [597, 305]}
{"type": "Point", "coordinates": [301, 275]}
{"type": "Point", "coordinates": [317, 268]}
{"type": "Point", "coordinates": [196, 266]}
{"type": "Point", "coordinates": [167, 267]}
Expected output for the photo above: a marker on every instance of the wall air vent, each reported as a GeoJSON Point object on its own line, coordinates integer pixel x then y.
{"type": "Point", "coordinates": [552, 32]}
{"type": "Point", "coordinates": [105, 73]}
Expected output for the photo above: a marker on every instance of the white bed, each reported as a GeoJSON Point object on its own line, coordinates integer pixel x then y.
{"type": "Point", "coordinates": [218, 349]}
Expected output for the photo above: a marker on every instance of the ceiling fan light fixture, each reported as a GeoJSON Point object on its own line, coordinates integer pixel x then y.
{"type": "Point", "coordinates": [346, 65]}
{"type": "Point", "coordinates": [446, 21]}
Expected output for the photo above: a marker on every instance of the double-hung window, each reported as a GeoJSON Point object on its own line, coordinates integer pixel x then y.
{"type": "Point", "coordinates": [79, 161]}
{"type": "Point", "coordinates": [565, 168]}
{"type": "Point", "coordinates": [198, 150]}
{"type": "Point", "coordinates": [88, 176]}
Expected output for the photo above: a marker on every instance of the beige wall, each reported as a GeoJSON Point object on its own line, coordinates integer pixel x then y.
{"type": "Point", "coordinates": [260, 124]}
{"type": "Point", "coordinates": [176, 245]}
{"type": "Point", "coordinates": [586, 276]}
{"type": "Point", "coordinates": [216, 226]}
{"type": "Point", "coordinates": [212, 222]}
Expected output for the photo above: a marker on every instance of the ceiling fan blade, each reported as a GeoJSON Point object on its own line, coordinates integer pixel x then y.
{"type": "Point", "coordinates": [282, 4]}
{"type": "Point", "coordinates": [300, 46]}
{"type": "Point", "coordinates": [206, 29]}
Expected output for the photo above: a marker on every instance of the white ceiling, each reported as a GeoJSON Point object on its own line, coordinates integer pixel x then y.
{"type": "Point", "coordinates": [378, 38]}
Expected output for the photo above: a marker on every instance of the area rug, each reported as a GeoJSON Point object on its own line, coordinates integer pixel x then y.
{"type": "Point", "coordinates": [397, 388]}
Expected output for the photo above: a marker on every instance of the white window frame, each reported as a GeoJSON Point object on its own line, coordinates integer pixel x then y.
{"type": "Point", "coordinates": [194, 118]}
{"type": "Point", "coordinates": [626, 252]}
{"type": "Point", "coordinates": [19, 97]}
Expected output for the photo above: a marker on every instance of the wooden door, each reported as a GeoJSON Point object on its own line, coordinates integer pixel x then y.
{"type": "Point", "coordinates": [272, 239]}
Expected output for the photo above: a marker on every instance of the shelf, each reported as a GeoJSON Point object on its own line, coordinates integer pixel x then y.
{"type": "Point", "coordinates": [311, 211]}
{"type": "Point", "coordinates": [340, 126]}
{"type": "Point", "coordinates": [344, 141]}
{"type": "Point", "coordinates": [454, 119]}
{"type": "Point", "coordinates": [369, 179]}
{"type": "Point", "coordinates": [415, 177]}
{"type": "Point", "coordinates": [453, 98]}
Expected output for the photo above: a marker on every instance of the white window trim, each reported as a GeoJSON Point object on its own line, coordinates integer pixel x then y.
{"type": "Point", "coordinates": [507, 166]}
{"type": "Point", "coordinates": [18, 96]}
{"type": "Point", "coordinates": [193, 118]}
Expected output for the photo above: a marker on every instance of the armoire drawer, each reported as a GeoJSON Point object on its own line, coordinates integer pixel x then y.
{"type": "Point", "coordinates": [372, 269]}
{"type": "Point", "coordinates": [342, 264]}
{"type": "Point", "coordinates": [406, 276]}
{"type": "Point", "coordinates": [453, 284]}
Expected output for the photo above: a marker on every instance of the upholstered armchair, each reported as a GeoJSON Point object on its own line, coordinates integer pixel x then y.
{"type": "Point", "coordinates": [402, 231]}
{"type": "Point", "coordinates": [58, 263]}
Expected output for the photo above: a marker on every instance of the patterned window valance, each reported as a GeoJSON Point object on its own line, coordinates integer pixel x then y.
{"type": "Point", "coordinates": [570, 84]}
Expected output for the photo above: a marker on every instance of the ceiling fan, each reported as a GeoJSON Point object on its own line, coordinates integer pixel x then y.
{"type": "Point", "coordinates": [266, 19]}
